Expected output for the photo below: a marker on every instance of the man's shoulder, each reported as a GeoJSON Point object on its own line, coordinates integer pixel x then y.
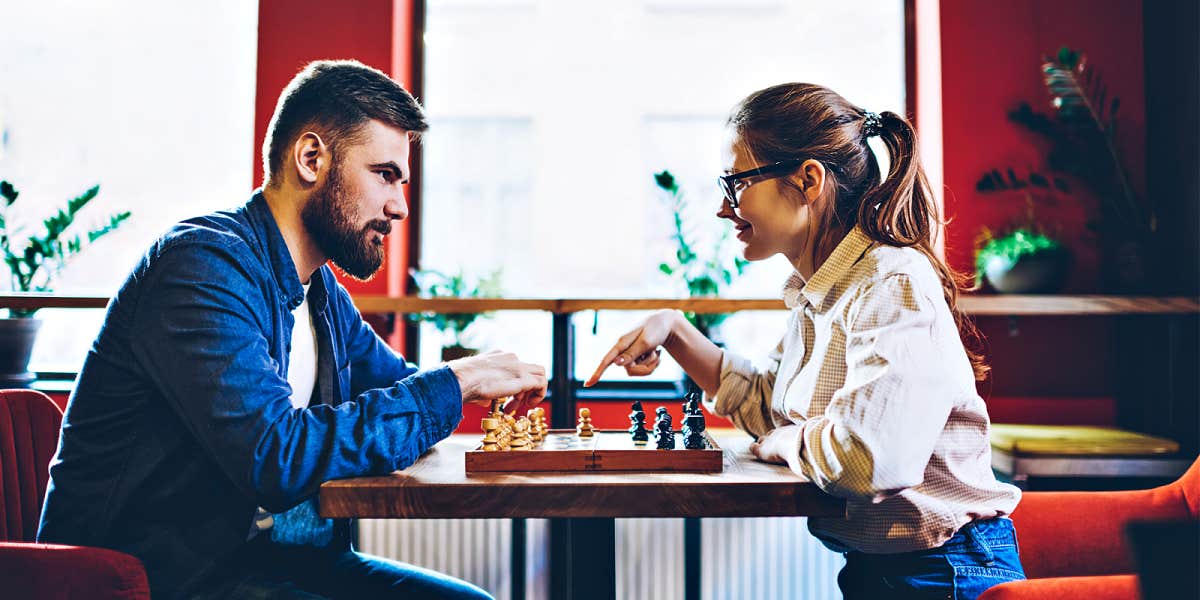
{"type": "Point", "coordinates": [222, 229]}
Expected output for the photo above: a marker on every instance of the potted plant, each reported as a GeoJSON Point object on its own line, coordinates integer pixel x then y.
{"type": "Point", "coordinates": [701, 272]}
{"type": "Point", "coordinates": [33, 261]}
{"type": "Point", "coordinates": [453, 326]}
{"type": "Point", "coordinates": [1082, 136]}
{"type": "Point", "coordinates": [1022, 260]}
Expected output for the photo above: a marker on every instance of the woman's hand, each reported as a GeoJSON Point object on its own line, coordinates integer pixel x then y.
{"type": "Point", "coordinates": [639, 350]}
{"type": "Point", "coordinates": [777, 446]}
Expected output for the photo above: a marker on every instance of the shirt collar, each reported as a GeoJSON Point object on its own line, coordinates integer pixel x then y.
{"type": "Point", "coordinates": [280, 258]}
{"type": "Point", "coordinates": [844, 256]}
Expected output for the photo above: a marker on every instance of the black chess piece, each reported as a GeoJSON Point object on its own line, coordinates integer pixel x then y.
{"type": "Point", "coordinates": [693, 431]}
{"type": "Point", "coordinates": [637, 424]}
{"type": "Point", "coordinates": [664, 437]}
{"type": "Point", "coordinates": [691, 402]}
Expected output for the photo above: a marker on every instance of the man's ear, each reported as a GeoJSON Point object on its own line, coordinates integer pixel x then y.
{"type": "Point", "coordinates": [309, 156]}
{"type": "Point", "coordinates": [810, 178]}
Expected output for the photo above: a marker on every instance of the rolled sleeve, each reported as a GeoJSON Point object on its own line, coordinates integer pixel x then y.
{"type": "Point", "coordinates": [744, 393]}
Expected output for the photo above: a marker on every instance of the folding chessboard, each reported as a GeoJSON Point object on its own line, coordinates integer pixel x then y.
{"type": "Point", "coordinates": [564, 450]}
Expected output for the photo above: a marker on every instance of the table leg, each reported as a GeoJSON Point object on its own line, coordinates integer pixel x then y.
{"type": "Point", "coordinates": [691, 558]}
{"type": "Point", "coordinates": [517, 557]}
{"type": "Point", "coordinates": [583, 563]}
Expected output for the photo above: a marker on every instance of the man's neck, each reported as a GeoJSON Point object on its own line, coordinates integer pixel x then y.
{"type": "Point", "coordinates": [285, 204]}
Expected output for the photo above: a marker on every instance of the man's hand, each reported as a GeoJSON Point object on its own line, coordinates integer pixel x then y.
{"type": "Point", "coordinates": [777, 446]}
{"type": "Point", "coordinates": [497, 374]}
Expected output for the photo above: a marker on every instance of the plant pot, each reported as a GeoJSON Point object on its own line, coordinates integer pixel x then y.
{"type": "Point", "coordinates": [16, 344]}
{"type": "Point", "coordinates": [1127, 261]}
{"type": "Point", "coordinates": [456, 351]}
{"type": "Point", "coordinates": [1042, 272]}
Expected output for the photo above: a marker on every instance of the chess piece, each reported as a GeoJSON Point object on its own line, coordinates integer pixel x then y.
{"type": "Point", "coordinates": [663, 436]}
{"type": "Point", "coordinates": [537, 424]}
{"type": "Point", "coordinates": [637, 424]}
{"type": "Point", "coordinates": [507, 424]}
{"type": "Point", "coordinates": [584, 429]}
{"type": "Point", "coordinates": [490, 427]}
{"type": "Point", "coordinates": [693, 431]}
{"type": "Point", "coordinates": [520, 439]}
{"type": "Point", "coordinates": [693, 422]}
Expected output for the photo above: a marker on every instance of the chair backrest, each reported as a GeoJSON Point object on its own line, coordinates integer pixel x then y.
{"type": "Point", "coordinates": [1190, 485]}
{"type": "Point", "coordinates": [29, 424]}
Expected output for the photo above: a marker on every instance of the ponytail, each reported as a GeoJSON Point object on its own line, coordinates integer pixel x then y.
{"type": "Point", "coordinates": [901, 211]}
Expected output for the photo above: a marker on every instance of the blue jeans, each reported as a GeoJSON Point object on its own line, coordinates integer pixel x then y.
{"type": "Point", "coordinates": [982, 554]}
{"type": "Point", "coordinates": [266, 570]}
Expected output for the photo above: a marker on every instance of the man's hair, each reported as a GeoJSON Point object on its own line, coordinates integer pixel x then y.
{"type": "Point", "coordinates": [336, 98]}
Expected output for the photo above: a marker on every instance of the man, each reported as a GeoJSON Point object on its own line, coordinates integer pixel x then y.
{"type": "Point", "coordinates": [233, 372]}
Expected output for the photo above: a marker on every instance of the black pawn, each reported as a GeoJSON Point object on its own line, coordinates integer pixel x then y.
{"type": "Point", "coordinates": [637, 427]}
{"type": "Point", "coordinates": [664, 436]}
{"type": "Point", "coordinates": [693, 432]}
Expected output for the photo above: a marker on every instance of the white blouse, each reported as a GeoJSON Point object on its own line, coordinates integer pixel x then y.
{"type": "Point", "coordinates": [873, 371]}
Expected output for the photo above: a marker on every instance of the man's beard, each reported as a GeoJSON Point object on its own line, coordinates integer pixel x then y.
{"type": "Point", "coordinates": [329, 219]}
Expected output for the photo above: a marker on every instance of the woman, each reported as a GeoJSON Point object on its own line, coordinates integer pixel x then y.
{"type": "Point", "coordinates": [871, 392]}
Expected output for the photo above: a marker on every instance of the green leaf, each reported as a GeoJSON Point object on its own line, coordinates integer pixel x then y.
{"type": "Point", "coordinates": [8, 192]}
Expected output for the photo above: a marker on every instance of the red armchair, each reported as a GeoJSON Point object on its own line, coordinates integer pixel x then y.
{"type": "Point", "coordinates": [1072, 543]}
{"type": "Point", "coordinates": [29, 423]}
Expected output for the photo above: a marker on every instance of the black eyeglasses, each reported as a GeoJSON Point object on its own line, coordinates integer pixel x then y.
{"type": "Point", "coordinates": [733, 184]}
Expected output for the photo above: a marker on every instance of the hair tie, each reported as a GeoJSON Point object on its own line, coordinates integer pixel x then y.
{"type": "Point", "coordinates": [872, 124]}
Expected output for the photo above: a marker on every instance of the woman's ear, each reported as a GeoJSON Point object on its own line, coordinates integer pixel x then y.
{"type": "Point", "coordinates": [810, 178]}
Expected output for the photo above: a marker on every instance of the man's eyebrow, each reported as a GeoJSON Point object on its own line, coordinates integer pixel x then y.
{"type": "Point", "coordinates": [391, 166]}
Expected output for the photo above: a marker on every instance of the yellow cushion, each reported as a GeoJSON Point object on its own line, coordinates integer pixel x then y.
{"type": "Point", "coordinates": [1074, 440]}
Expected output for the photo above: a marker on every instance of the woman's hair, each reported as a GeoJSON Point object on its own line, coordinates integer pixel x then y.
{"type": "Point", "coordinates": [801, 120]}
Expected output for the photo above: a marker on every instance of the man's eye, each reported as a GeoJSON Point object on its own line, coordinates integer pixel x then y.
{"type": "Point", "coordinates": [386, 175]}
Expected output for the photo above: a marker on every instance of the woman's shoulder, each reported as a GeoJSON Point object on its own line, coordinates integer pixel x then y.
{"type": "Point", "coordinates": [883, 263]}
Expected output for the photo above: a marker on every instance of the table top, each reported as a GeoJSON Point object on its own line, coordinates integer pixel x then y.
{"type": "Point", "coordinates": [437, 486]}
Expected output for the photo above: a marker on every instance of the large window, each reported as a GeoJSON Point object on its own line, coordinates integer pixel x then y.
{"type": "Point", "coordinates": [152, 100]}
{"type": "Point", "coordinates": [549, 119]}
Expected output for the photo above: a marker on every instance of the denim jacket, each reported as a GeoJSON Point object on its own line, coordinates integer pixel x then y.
{"type": "Point", "coordinates": [181, 424]}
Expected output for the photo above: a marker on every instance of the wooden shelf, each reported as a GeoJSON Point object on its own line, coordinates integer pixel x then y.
{"type": "Point", "coordinates": [978, 305]}
{"type": "Point", "coordinates": [1051, 305]}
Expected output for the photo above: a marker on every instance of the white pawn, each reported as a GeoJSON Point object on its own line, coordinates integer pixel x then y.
{"type": "Point", "coordinates": [520, 440]}
{"type": "Point", "coordinates": [490, 442]}
{"type": "Point", "coordinates": [584, 429]}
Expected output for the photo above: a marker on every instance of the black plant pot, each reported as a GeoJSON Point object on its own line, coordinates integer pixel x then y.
{"type": "Point", "coordinates": [16, 344]}
{"type": "Point", "coordinates": [1042, 272]}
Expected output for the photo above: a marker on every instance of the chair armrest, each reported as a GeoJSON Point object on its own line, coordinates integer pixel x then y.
{"type": "Point", "coordinates": [1108, 587]}
{"type": "Point", "coordinates": [63, 572]}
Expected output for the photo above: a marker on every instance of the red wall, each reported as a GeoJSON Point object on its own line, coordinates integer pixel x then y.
{"type": "Point", "coordinates": [291, 33]}
{"type": "Point", "coordinates": [991, 57]}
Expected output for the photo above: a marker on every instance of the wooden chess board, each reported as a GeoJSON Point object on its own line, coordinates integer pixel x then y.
{"type": "Point", "coordinates": [563, 450]}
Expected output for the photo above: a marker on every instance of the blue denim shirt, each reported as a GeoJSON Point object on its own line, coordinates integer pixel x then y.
{"type": "Point", "coordinates": [181, 423]}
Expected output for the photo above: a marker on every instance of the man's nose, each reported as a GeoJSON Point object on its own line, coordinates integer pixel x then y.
{"type": "Point", "coordinates": [397, 207]}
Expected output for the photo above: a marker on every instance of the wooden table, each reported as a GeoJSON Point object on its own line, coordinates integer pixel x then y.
{"type": "Point", "coordinates": [582, 506]}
